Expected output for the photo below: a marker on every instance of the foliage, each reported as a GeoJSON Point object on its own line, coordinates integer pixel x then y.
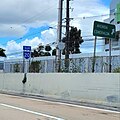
{"type": "Point", "coordinates": [2, 54]}
{"type": "Point", "coordinates": [34, 54]}
{"type": "Point", "coordinates": [74, 41]}
{"type": "Point", "coordinates": [47, 54]}
{"type": "Point", "coordinates": [16, 67]}
{"type": "Point", "coordinates": [39, 51]}
{"type": "Point", "coordinates": [116, 70]}
{"type": "Point", "coordinates": [35, 66]}
{"type": "Point", "coordinates": [48, 48]}
{"type": "Point", "coordinates": [53, 52]}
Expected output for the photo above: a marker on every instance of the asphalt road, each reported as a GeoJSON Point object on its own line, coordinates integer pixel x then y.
{"type": "Point", "coordinates": [20, 108]}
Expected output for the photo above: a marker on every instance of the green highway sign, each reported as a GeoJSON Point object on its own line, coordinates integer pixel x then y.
{"type": "Point", "coordinates": [104, 30]}
{"type": "Point", "coordinates": [118, 13]}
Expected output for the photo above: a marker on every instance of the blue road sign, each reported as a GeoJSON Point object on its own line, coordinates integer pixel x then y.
{"type": "Point", "coordinates": [26, 54]}
{"type": "Point", "coordinates": [27, 48]}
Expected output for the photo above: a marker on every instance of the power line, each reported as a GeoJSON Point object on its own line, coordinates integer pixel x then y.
{"type": "Point", "coordinates": [27, 36]}
{"type": "Point", "coordinates": [23, 37]}
{"type": "Point", "coordinates": [21, 52]}
{"type": "Point", "coordinates": [87, 17]}
{"type": "Point", "coordinates": [89, 39]}
{"type": "Point", "coordinates": [53, 43]}
{"type": "Point", "coordinates": [33, 17]}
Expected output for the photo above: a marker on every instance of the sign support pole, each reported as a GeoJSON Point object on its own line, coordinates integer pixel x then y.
{"type": "Point", "coordinates": [94, 55]}
{"type": "Point", "coordinates": [110, 67]}
{"type": "Point", "coordinates": [26, 55]}
{"type": "Point", "coordinates": [104, 30]}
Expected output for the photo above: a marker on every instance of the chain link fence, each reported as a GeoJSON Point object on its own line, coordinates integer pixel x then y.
{"type": "Point", "coordinates": [76, 65]}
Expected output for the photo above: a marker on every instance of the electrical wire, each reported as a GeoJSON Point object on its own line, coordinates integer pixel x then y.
{"type": "Point", "coordinates": [21, 52]}
{"type": "Point", "coordinates": [53, 43]}
{"type": "Point", "coordinates": [75, 18]}
{"type": "Point", "coordinates": [42, 13]}
{"type": "Point", "coordinates": [38, 14]}
{"type": "Point", "coordinates": [104, 15]}
{"type": "Point", "coordinates": [53, 26]}
{"type": "Point", "coordinates": [45, 10]}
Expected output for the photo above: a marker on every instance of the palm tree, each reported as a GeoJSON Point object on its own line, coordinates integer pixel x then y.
{"type": "Point", "coordinates": [2, 54]}
{"type": "Point", "coordinates": [38, 51]}
{"type": "Point", "coordinates": [48, 49]}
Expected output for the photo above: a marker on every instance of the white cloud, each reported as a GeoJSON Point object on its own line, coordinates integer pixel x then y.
{"type": "Point", "coordinates": [13, 46]}
{"type": "Point", "coordinates": [15, 13]}
{"type": "Point", "coordinates": [84, 16]}
{"type": "Point", "coordinates": [12, 30]}
{"type": "Point", "coordinates": [83, 12]}
{"type": "Point", "coordinates": [49, 36]}
{"type": "Point", "coordinates": [16, 16]}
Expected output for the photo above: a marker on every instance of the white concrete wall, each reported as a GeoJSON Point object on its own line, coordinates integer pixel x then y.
{"type": "Point", "coordinates": [11, 82]}
{"type": "Point", "coordinates": [97, 88]}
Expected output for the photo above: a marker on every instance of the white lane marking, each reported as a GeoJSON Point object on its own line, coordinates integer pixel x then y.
{"type": "Point", "coordinates": [32, 112]}
{"type": "Point", "coordinates": [79, 106]}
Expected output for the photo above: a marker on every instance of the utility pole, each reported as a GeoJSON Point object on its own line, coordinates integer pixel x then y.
{"type": "Point", "coordinates": [67, 37]}
{"type": "Point", "coordinates": [59, 35]}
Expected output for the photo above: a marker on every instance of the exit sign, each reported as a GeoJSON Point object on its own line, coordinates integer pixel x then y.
{"type": "Point", "coordinates": [104, 30]}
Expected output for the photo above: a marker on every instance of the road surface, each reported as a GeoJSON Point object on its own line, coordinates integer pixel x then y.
{"type": "Point", "coordinates": [22, 108]}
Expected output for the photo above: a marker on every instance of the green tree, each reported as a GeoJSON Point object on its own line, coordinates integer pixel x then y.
{"type": "Point", "coordinates": [54, 52]}
{"type": "Point", "coordinates": [35, 66]}
{"type": "Point", "coordinates": [34, 53]}
{"type": "Point", "coordinates": [2, 53]}
{"type": "Point", "coordinates": [16, 67]}
{"type": "Point", "coordinates": [75, 40]}
{"type": "Point", "coordinates": [48, 49]}
{"type": "Point", "coordinates": [116, 70]}
{"type": "Point", "coordinates": [38, 51]}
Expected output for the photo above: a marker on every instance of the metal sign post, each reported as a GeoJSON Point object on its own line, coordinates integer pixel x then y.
{"type": "Point", "coordinates": [104, 30]}
{"type": "Point", "coordinates": [110, 66]}
{"type": "Point", "coordinates": [26, 55]}
{"type": "Point", "coordinates": [94, 56]}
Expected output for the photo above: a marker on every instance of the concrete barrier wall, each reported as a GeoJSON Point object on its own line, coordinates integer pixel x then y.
{"type": "Point", "coordinates": [11, 82]}
{"type": "Point", "coordinates": [97, 88]}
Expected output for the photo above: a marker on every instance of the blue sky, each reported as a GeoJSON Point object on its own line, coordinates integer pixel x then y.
{"type": "Point", "coordinates": [106, 2]}
{"type": "Point", "coordinates": [31, 33]}
{"type": "Point", "coordinates": [37, 19]}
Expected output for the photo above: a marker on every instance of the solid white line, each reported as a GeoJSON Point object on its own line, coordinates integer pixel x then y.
{"type": "Point", "coordinates": [32, 112]}
{"type": "Point", "coordinates": [72, 105]}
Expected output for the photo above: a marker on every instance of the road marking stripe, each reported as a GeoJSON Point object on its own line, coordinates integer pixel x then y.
{"type": "Point", "coordinates": [32, 112]}
{"type": "Point", "coordinates": [79, 106]}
